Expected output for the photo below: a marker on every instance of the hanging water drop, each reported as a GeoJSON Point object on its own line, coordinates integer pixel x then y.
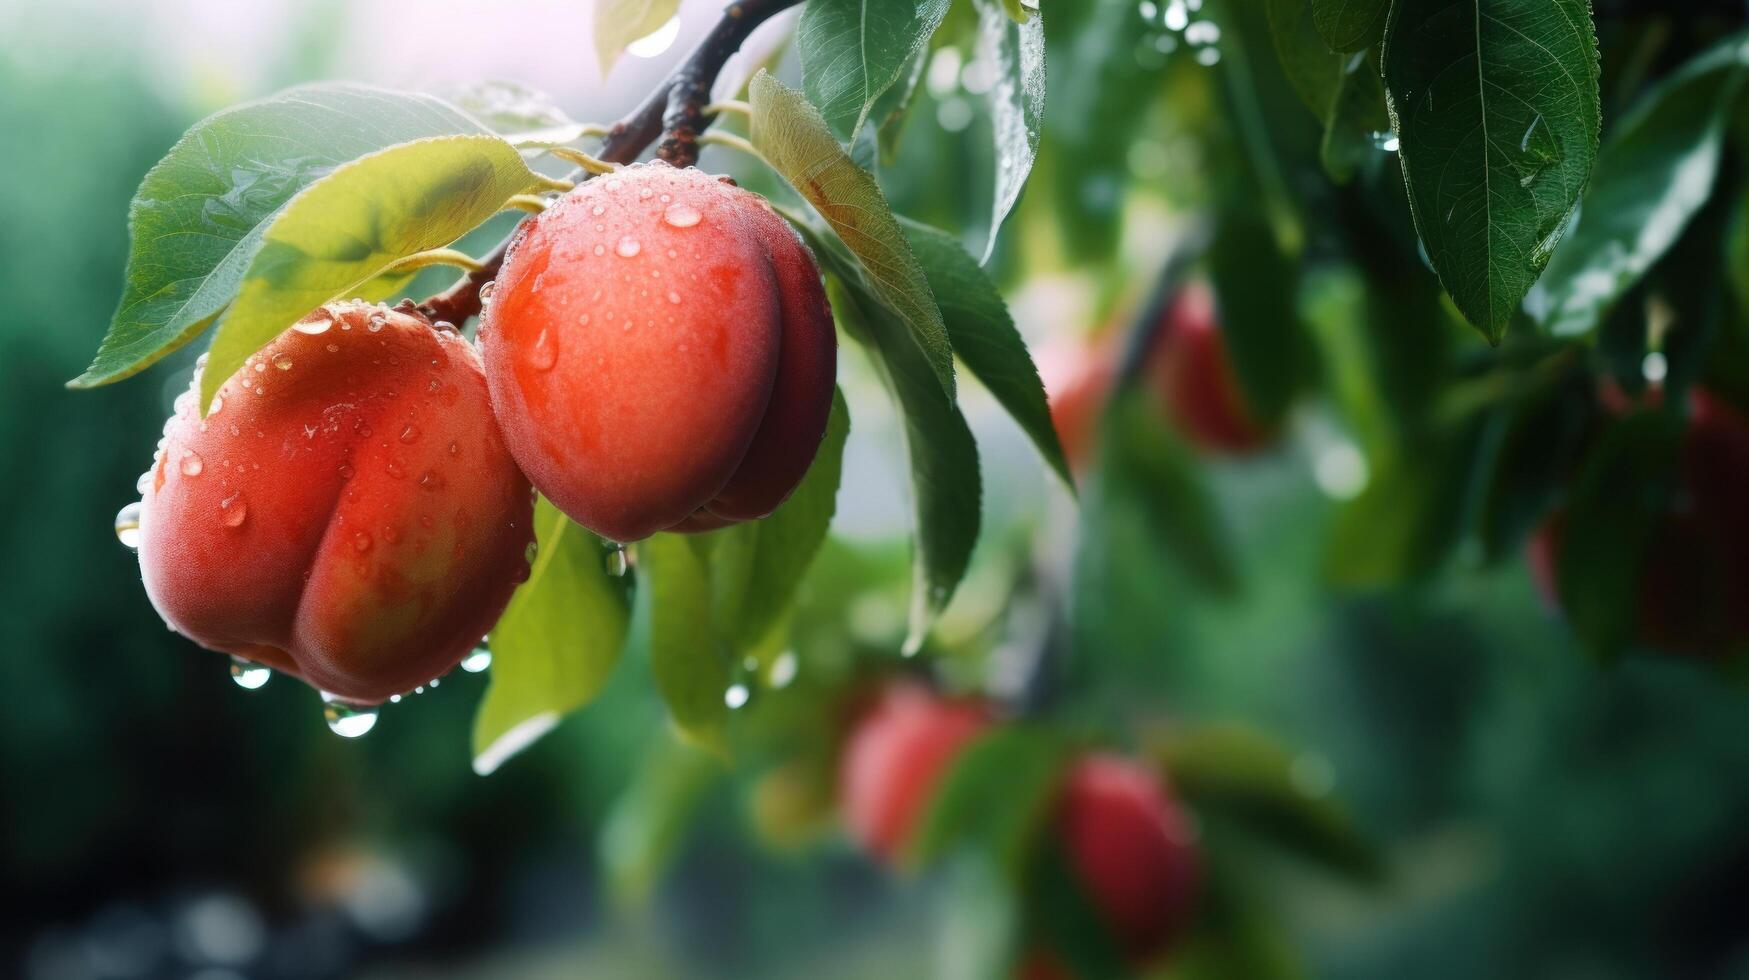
{"type": "Point", "coordinates": [127, 525]}
{"type": "Point", "coordinates": [347, 720]}
{"type": "Point", "coordinates": [248, 675]}
{"type": "Point", "coordinates": [486, 291]}
{"type": "Point", "coordinates": [618, 563]}
{"type": "Point", "coordinates": [479, 660]}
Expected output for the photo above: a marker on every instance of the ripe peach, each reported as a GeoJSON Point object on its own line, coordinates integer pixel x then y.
{"type": "Point", "coordinates": [1694, 578]}
{"type": "Point", "coordinates": [895, 756]}
{"type": "Point", "coordinates": [660, 353]}
{"type": "Point", "coordinates": [1130, 846]}
{"type": "Point", "coordinates": [1187, 370]}
{"type": "Point", "coordinates": [347, 513]}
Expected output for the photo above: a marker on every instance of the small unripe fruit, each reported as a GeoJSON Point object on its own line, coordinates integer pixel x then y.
{"type": "Point", "coordinates": [1131, 848]}
{"type": "Point", "coordinates": [1693, 579]}
{"type": "Point", "coordinates": [347, 513]}
{"type": "Point", "coordinates": [660, 353]}
{"type": "Point", "coordinates": [895, 758]}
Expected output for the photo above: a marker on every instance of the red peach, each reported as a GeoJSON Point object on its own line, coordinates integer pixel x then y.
{"type": "Point", "coordinates": [895, 756]}
{"type": "Point", "coordinates": [1130, 846]}
{"type": "Point", "coordinates": [660, 353]}
{"type": "Point", "coordinates": [347, 513]}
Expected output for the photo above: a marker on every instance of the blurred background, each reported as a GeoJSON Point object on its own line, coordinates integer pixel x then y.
{"type": "Point", "coordinates": [1536, 814]}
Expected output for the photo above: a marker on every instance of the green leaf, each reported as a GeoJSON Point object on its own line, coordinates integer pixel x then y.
{"type": "Point", "coordinates": [199, 216]}
{"type": "Point", "coordinates": [790, 133]}
{"type": "Point", "coordinates": [1656, 171]}
{"type": "Point", "coordinates": [526, 117]}
{"type": "Point", "coordinates": [1350, 25]}
{"type": "Point", "coordinates": [354, 224]}
{"type": "Point", "coordinates": [981, 922]}
{"type": "Point", "coordinates": [1064, 916]}
{"type": "Point", "coordinates": [1241, 775]}
{"type": "Point", "coordinates": [1495, 105]}
{"type": "Point", "coordinates": [1616, 506]}
{"type": "Point", "coordinates": [945, 486]}
{"type": "Point", "coordinates": [1017, 102]}
{"type": "Point", "coordinates": [853, 51]}
{"type": "Point", "coordinates": [556, 644]}
{"type": "Point", "coordinates": [1312, 69]}
{"type": "Point", "coordinates": [996, 797]}
{"type": "Point", "coordinates": [1262, 328]}
{"type": "Point", "coordinates": [688, 653]}
{"type": "Point", "coordinates": [984, 337]}
{"type": "Point", "coordinates": [892, 108]}
{"type": "Point", "coordinates": [757, 566]}
{"type": "Point", "coordinates": [620, 22]}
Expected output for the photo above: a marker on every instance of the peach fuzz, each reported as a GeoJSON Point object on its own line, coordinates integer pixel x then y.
{"type": "Point", "coordinates": [347, 513]}
{"type": "Point", "coordinates": [660, 353]}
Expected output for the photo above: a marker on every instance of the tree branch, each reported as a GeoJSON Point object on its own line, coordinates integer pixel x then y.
{"type": "Point", "coordinates": [677, 104]}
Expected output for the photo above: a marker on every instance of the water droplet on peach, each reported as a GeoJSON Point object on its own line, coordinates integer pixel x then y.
{"type": "Point", "coordinates": [283, 362]}
{"type": "Point", "coordinates": [127, 525]}
{"type": "Point", "coordinates": [316, 323]}
{"type": "Point", "coordinates": [544, 351]}
{"type": "Point", "coordinates": [249, 676]}
{"type": "Point", "coordinates": [628, 246]}
{"type": "Point", "coordinates": [361, 542]}
{"type": "Point", "coordinates": [681, 215]}
{"type": "Point", "coordinates": [600, 249]}
{"type": "Point", "coordinates": [233, 510]}
{"type": "Point", "coordinates": [191, 463]}
{"type": "Point", "coordinates": [377, 322]}
{"type": "Point", "coordinates": [410, 433]}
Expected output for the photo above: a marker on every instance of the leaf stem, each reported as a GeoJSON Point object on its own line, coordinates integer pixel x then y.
{"type": "Point", "coordinates": [733, 142]}
{"type": "Point", "coordinates": [592, 165]}
{"type": "Point", "coordinates": [431, 257]}
{"type": "Point", "coordinates": [532, 203]}
{"type": "Point", "coordinates": [736, 106]}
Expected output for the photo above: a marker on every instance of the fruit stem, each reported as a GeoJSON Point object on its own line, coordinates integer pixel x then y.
{"type": "Point", "coordinates": [680, 104]}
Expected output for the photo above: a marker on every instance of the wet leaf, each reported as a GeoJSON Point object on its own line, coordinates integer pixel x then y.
{"type": "Point", "coordinates": [689, 656]}
{"type": "Point", "coordinates": [556, 644]}
{"type": "Point", "coordinates": [200, 214]}
{"type": "Point", "coordinates": [853, 51]}
{"type": "Point", "coordinates": [984, 337]}
{"type": "Point", "coordinates": [1496, 107]}
{"type": "Point", "coordinates": [1016, 100]}
{"type": "Point", "coordinates": [353, 224]}
{"type": "Point", "coordinates": [620, 22]}
{"type": "Point", "coordinates": [526, 117]}
{"type": "Point", "coordinates": [793, 137]}
{"type": "Point", "coordinates": [1656, 171]}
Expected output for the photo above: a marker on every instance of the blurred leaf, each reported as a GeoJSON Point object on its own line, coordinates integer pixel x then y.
{"type": "Point", "coordinates": [1546, 429]}
{"type": "Point", "coordinates": [1412, 512]}
{"type": "Point", "coordinates": [524, 116]}
{"type": "Point", "coordinates": [353, 225]}
{"type": "Point", "coordinates": [1233, 937]}
{"type": "Point", "coordinates": [1350, 25]}
{"type": "Point", "coordinates": [1018, 10]}
{"type": "Point", "coordinates": [853, 51]}
{"type": "Point", "coordinates": [1144, 466]}
{"type": "Point", "coordinates": [1616, 506]}
{"type": "Point", "coordinates": [980, 922]}
{"type": "Point", "coordinates": [1497, 111]}
{"type": "Point", "coordinates": [1074, 931]}
{"type": "Point", "coordinates": [1016, 52]}
{"type": "Point", "coordinates": [688, 653]}
{"type": "Point", "coordinates": [945, 485]}
{"type": "Point", "coordinates": [1261, 324]}
{"type": "Point", "coordinates": [996, 797]}
{"type": "Point", "coordinates": [1312, 69]}
{"type": "Point", "coordinates": [1241, 775]}
{"type": "Point", "coordinates": [984, 337]}
{"type": "Point", "coordinates": [199, 216]}
{"type": "Point", "coordinates": [620, 22]}
{"type": "Point", "coordinates": [556, 644]}
{"type": "Point", "coordinates": [649, 822]}
{"type": "Point", "coordinates": [1357, 113]}
{"type": "Point", "coordinates": [794, 138]}
{"type": "Point", "coordinates": [1654, 173]}
{"type": "Point", "coordinates": [758, 581]}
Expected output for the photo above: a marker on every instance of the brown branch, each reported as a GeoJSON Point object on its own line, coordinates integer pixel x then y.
{"type": "Point", "coordinates": [677, 104]}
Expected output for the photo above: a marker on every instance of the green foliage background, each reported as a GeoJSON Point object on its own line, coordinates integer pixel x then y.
{"type": "Point", "coordinates": [1539, 815]}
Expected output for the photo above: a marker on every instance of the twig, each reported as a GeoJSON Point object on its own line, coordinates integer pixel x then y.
{"type": "Point", "coordinates": [678, 105]}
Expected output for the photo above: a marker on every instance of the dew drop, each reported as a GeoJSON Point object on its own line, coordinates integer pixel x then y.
{"type": "Point", "coordinates": [144, 483]}
{"type": "Point", "coordinates": [346, 471]}
{"type": "Point", "coordinates": [486, 291]}
{"type": "Point", "coordinates": [283, 362]}
{"type": "Point", "coordinates": [361, 542]}
{"type": "Point", "coordinates": [316, 323]}
{"type": "Point", "coordinates": [597, 210]}
{"type": "Point", "coordinates": [431, 480]}
{"type": "Point", "coordinates": [347, 720]}
{"type": "Point", "coordinates": [396, 470]}
{"type": "Point", "coordinates": [618, 562]}
{"type": "Point", "coordinates": [600, 249]}
{"type": "Point", "coordinates": [191, 463]}
{"type": "Point", "coordinates": [248, 675]}
{"type": "Point", "coordinates": [410, 434]}
{"type": "Point", "coordinates": [681, 215]}
{"type": "Point", "coordinates": [218, 405]}
{"type": "Point", "coordinates": [628, 247]}
{"type": "Point", "coordinates": [127, 525]}
{"type": "Point", "coordinates": [529, 552]}
{"type": "Point", "coordinates": [260, 366]}
{"type": "Point", "coordinates": [645, 193]}
{"type": "Point", "coordinates": [233, 510]}
{"type": "Point", "coordinates": [673, 297]}
{"type": "Point", "coordinates": [544, 352]}
{"type": "Point", "coordinates": [479, 660]}
{"type": "Point", "coordinates": [454, 450]}
{"type": "Point", "coordinates": [377, 322]}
